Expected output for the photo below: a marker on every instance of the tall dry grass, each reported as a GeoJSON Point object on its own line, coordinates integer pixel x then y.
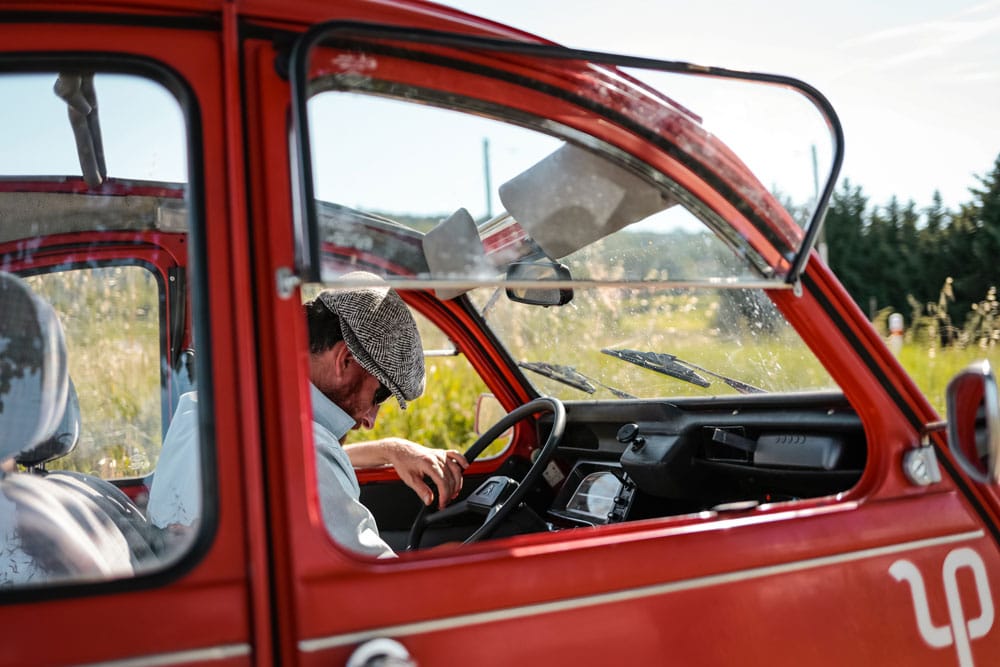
{"type": "Point", "coordinates": [111, 318]}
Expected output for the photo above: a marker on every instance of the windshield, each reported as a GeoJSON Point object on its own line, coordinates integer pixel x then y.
{"type": "Point", "coordinates": [723, 341]}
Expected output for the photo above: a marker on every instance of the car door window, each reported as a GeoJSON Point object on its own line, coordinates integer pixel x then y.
{"type": "Point", "coordinates": [636, 296]}
{"type": "Point", "coordinates": [716, 323]}
{"type": "Point", "coordinates": [94, 219]}
{"type": "Point", "coordinates": [111, 318]}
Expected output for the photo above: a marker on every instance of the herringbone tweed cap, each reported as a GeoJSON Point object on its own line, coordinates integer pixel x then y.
{"type": "Point", "coordinates": [381, 334]}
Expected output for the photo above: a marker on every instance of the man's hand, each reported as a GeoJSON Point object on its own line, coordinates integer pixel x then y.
{"type": "Point", "coordinates": [413, 462]}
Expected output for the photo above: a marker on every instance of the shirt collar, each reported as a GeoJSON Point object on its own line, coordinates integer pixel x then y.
{"type": "Point", "coordinates": [329, 415]}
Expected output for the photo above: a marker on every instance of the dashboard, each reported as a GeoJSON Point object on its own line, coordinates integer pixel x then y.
{"type": "Point", "coordinates": [628, 461]}
{"type": "Point", "coordinates": [594, 494]}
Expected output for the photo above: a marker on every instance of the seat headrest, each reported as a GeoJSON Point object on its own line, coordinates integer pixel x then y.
{"type": "Point", "coordinates": [62, 441]}
{"type": "Point", "coordinates": [34, 378]}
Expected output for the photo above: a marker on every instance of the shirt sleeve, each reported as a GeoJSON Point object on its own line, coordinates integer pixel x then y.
{"type": "Point", "coordinates": [347, 520]}
{"type": "Point", "coordinates": [175, 496]}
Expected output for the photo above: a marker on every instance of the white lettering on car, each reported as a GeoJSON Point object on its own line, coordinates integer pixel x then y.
{"type": "Point", "coordinates": [961, 631]}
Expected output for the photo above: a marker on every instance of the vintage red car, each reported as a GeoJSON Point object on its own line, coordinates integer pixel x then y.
{"type": "Point", "coordinates": [691, 445]}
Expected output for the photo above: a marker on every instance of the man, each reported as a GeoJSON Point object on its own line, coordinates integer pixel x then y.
{"type": "Point", "coordinates": [363, 348]}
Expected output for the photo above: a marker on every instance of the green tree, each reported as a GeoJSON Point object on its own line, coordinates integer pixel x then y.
{"type": "Point", "coordinates": [844, 228]}
{"type": "Point", "coordinates": [974, 244]}
{"type": "Point", "coordinates": [880, 241]}
{"type": "Point", "coordinates": [931, 263]}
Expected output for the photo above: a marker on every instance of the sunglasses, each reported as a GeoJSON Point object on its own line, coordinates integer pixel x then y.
{"type": "Point", "coordinates": [381, 394]}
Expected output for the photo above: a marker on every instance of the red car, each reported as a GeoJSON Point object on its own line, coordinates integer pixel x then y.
{"type": "Point", "coordinates": [690, 445]}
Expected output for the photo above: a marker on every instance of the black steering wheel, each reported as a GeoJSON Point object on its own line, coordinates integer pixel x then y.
{"type": "Point", "coordinates": [498, 496]}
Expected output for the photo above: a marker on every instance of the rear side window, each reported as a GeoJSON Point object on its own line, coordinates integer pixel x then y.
{"type": "Point", "coordinates": [111, 320]}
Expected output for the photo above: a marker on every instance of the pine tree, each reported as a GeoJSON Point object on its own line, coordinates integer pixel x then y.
{"type": "Point", "coordinates": [986, 241]}
{"type": "Point", "coordinates": [974, 244]}
{"type": "Point", "coordinates": [844, 228]}
{"type": "Point", "coordinates": [887, 258]}
{"type": "Point", "coordinates": [933, 266]}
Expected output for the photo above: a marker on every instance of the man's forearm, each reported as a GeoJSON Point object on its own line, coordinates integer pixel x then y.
{"type": "Point", "coordinates": [369, 454]}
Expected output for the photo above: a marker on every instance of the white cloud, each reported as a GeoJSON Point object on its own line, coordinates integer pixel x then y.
{"type": "Point", "coordinates": [931, 42]}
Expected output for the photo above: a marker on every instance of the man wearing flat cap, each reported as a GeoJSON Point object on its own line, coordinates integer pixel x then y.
{"type": "Point", "coordinates": [363, 348]}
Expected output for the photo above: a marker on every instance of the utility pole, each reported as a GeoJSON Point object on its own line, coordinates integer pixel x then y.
{"type": "Point", "coordinates": [486, 178]}
{"type": "Point", "coordinates": [821, 239]}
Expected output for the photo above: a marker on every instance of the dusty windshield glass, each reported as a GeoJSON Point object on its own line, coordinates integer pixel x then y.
{"type": "Point", "coordinates": [620, 343]}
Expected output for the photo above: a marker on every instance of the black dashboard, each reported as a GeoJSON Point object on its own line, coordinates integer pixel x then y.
{"type": "Point", "coordinates": [629, 460]}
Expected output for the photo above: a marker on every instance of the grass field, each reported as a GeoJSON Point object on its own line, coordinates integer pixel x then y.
{"type": "Point", "coordinates": [113, 341]}
{"type": "Point", "coordinates": [776, 362]}
{"type": "Point", "coordinates": [932, 368]}
{"type": "Point", "coordinates": [453, 386]}
{"type": "Point", "coordinates": [110, 316]}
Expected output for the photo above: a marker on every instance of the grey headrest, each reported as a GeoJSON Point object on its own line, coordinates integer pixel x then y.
{"type": "Point", "coordinates": [33, 375]}
{"type": "Point", "coordinates": [62, 441]}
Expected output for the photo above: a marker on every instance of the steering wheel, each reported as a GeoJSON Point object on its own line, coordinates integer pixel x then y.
{"type": "Point", "coordinates": [498, 496]}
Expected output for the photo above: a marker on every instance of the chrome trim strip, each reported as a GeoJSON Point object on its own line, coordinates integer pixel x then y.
{"type": "Point", "coordinates": [421, 627]}
{"type": "Point", "coordinates": [178, 657]}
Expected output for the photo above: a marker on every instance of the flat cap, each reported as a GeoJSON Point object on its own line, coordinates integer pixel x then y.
{"type": "Point", "coordinates": [380, 332]}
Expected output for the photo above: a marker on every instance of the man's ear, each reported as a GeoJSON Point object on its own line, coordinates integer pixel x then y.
{"type": "Point", "coordinates": [341, 356]}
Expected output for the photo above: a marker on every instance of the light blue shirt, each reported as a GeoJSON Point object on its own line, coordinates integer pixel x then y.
{"type": "Point", "coordinates": [175, 497]}
{"type": "Point", "coordinates": [347, 520]}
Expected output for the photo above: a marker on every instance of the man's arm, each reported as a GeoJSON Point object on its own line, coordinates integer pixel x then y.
{"type": "Point", "coordinates": [347, 520]}
{"type": "Point", "coordinates": [413, 462]}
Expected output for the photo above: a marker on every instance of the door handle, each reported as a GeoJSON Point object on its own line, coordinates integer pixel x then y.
{"type": "Point", "coordinates": [381, 652]}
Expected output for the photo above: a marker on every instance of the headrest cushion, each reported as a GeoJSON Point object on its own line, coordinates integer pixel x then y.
{"type": "Point", "coordinates": [33, 374]}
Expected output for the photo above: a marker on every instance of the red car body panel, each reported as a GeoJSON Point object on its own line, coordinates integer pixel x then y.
{"type": "Point", "coordinates": [791, 584]}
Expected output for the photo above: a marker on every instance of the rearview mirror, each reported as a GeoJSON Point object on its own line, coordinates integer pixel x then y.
{"type": "Point", "coordinates": [974, 422]}
{"type": "Point", "coordinates": [539, 271]}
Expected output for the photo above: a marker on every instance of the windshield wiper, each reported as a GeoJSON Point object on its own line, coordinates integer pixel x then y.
{"type": "Point", "coordinates": [669, 364]}
{"type": "Point", "coordinates": [569, 376]}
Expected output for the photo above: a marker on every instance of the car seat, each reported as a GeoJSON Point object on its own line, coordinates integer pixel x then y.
{"type": "Point", "coordinates": [49, 531]}
{"type": "Point", "coordinates": [144, 539]}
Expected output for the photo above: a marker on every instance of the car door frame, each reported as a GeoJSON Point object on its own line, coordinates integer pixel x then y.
{"type": "Point", "coordinates": [677, 586]}
{"type": "Point", "coordinates": [212, 604]}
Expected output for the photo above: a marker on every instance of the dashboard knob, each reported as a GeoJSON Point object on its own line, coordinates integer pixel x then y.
{"type": "Point", "coordinates": [629, 435]}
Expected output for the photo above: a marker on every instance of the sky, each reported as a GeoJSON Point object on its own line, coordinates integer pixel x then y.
{"type": "Point", "coordinates": [915, 83]}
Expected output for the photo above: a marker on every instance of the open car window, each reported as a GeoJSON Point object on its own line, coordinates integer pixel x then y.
{"type": "Point", "coordinates": [626, 158]}
{"type": "Point", "coordinates": [646, 300]}
{"type": "Point", "coordinates": [493, 166]}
